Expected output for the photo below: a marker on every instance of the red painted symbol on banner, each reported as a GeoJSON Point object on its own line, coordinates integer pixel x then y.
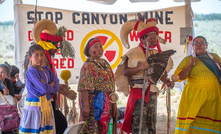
{"type": "Point", "coordinates": [107, 39]}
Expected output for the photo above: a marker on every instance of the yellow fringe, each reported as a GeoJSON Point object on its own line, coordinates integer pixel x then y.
{"type": "Point", "coordinates": [45, 109]}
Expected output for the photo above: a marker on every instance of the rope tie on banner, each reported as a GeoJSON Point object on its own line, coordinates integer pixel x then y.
{"type": "Point", "coordinates": [188, 40]}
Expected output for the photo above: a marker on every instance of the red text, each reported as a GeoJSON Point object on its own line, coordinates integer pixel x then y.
{"type": "Point", "coordinates": [61, 63]}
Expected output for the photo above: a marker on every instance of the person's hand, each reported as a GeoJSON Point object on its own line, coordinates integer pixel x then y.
{"type": "Point", "coordinates": [52, 83]}
{"type": "Point", "coordinates": [70, 94]}
{"type": "Point", "coordinates": [6, 92]}
{"type": "Point", "coordinates": [86, 111]}
{"type": "Point", "coordinates": [169, 83]}
{"type": "Point", "coordinates": [67, 87]}
{"type": "Point", "coordinates": [17, 77]}
{"type": "Point", "coordinates": [16, 100]}
{"type": "Point", "coordinates": [62, 86]}
{"type": "Point", "coordinates": [43, 81]}
{"type": "Point", "coordinates": [144, 66]}
{"type": "Point", "coordinates": [192, 61]}
{"type": "Point", "coordinates": [216, 61]}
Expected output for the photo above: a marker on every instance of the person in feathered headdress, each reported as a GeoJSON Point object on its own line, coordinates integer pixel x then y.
{"type": "Point", "coordinates": [130, 74]}
{"type": "Point", "coordinates": [49, 40]}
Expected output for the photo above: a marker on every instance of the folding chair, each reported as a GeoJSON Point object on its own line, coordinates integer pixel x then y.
{"type": "Point", "coordinates": [75, 128]}
{"type": "Point", "coordinates": [21, 102]}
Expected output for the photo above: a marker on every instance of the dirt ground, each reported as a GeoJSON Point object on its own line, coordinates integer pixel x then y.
{"type": "Point", "coordinates": [161, 110]}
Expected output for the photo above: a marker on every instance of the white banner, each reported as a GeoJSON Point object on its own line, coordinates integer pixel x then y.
{"type": "Point", "coordinates": [85, 25]}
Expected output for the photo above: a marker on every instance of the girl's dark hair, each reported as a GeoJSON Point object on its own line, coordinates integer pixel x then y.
{"type": "Point", "coordinates": [26, 63]}
{"type": "Point", "coordinates": [34, 48]}
{"type": "Point", "coordinates": [200, 37]}
{"type": "Point", "coordinates": [86, 47]}
{"type": "Point", "coordinates": [6, 67]}
{"type": "Point", "coordinates": [14, 70]}
{"type": "Point", "coordinates": [28, 54]}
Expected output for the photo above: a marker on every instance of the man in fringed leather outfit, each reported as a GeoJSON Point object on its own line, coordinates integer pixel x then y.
{"type": "Point", "coordinates": [130, 74]}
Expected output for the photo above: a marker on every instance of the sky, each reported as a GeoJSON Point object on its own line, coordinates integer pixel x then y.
{"type": "Point", "coordinates": [120, 6]}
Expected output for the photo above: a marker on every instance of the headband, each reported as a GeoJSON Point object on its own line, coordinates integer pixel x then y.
{"type": "Point", "coordinates": [92, 43]}
{"type": "Point", "coordinates": [148, 30]}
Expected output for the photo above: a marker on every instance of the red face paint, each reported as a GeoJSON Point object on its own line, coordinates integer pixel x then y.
{"type": "Point", "coordinates": [94, 52]}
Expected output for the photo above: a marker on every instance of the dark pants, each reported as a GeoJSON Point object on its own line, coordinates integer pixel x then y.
{"type": "Point", "coordinates": [60, 120]}
{"type": "Point", "coordinates": [149, 116]}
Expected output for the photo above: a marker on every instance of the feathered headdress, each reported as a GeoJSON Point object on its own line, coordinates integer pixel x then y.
{"type": "Point", "coordinates": [141, 27]}
{"type": "Point", "coordinates": [52, 34]}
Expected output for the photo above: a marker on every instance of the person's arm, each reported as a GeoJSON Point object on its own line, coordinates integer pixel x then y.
{"type": "Point", "coordinates": [131, 71]}
{"type": "Point", "coordinates": [86, 84]}
{"type": "Point", "coordinates": [70, 94]}
{"type": "Point", "coordinates": [216, 61]}
{"type": "Point", "coordinates": [5, 90]}
{"type": "Point", "coordinates": [18, 81]}
{"type": "Point", "coordinates": [16, 100]}
{"type": "Point", "coordinates": [54, 80]}
{"type": "Point", "coordinates": [18, 97]}
{"type": "Point", "coordinates": [41, 86]}
{"type": "Point", "coordinates": [86, 107]}
{"type": "Point", "coordinates": [186, 71]}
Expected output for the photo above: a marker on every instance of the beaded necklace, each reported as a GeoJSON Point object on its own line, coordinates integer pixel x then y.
{"type": "Point", "coordinates": [102, 67]}
{"type": "Point", "coordinates": [202, 55]}
{"type": "Point", "coordinates": [105, 68]}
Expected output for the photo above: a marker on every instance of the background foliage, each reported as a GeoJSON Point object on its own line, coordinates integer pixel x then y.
{"type": "Point", "coordinates": [213, 16]}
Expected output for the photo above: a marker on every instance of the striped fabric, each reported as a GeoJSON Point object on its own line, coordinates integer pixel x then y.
{"type": "Point", "coordinates": [198, 124]}
{"type": "Point", "coordinates": [31, 118]}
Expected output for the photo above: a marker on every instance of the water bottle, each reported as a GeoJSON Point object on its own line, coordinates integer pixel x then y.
{"type": "Point", "coordinates": [110, 129]}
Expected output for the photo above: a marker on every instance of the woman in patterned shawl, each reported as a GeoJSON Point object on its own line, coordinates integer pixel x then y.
{"type": "Point", "coordinates": [95, 84]}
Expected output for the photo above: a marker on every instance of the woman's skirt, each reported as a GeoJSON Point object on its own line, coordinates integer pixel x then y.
{"type": "Point", "coordinates": [92, 126]}
{"type": "Point", "coordinates": [31, 119]}
{"type": "Point", "coordinates": [199, 109]}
